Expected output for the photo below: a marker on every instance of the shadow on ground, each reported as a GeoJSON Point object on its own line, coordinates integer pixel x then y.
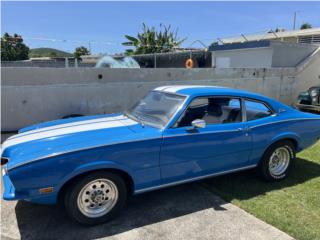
{"type": "Point", "coordinates": [49, 222]}
{"type": "Point", "coordinates": [246, 185]}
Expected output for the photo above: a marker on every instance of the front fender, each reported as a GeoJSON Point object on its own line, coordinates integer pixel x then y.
{"type": "Point", "coordinates": [93, 166]}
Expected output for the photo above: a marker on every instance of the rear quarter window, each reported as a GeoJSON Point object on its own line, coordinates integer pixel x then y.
{"type": "Point", "coordinates": [256, 110]}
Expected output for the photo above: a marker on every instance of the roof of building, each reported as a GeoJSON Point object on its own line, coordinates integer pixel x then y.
{"type": "Point", "coordinates": [241, 45]}
{"type": "Point", "coordinates": [271, 35]}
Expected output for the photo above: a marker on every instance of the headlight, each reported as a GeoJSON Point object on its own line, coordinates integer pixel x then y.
{"type": "Point", "coordinates": [314, 93]}
{"type": "Point", "coordinates": [4, 160]}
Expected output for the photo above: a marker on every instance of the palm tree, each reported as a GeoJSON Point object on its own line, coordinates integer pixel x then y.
{"type": "Point", "coordinates": [152, 41]}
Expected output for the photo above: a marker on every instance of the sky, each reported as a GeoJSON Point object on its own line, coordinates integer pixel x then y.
{"type": "Point", "coordinates": [102, 25]}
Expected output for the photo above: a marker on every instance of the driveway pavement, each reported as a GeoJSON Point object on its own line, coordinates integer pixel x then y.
{"type": "Point", "coordinates": [184, 212]}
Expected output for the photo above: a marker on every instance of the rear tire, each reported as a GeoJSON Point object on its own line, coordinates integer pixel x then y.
{"type": "Point", "coordinates": [277, 161]}
{"type": "Point", "coordinates": [96, 198]}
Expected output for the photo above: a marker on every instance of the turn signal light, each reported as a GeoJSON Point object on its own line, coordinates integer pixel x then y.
{"type": "Point", "coordinates": [46, 190]}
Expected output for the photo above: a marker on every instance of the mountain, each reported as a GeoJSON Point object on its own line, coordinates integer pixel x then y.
{"type": "Point", "coordinates": [48, 52]}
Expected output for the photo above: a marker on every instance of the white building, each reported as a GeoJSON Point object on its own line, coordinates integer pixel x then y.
{"type": "Point", "coordinates": [311, 35]}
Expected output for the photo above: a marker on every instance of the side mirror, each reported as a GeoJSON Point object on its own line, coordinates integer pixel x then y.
{"type": "Point", "coordinates": [199, 123]}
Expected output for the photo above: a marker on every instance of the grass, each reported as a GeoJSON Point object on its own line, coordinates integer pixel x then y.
{"type": "Point", "coordinates": [292, 205]}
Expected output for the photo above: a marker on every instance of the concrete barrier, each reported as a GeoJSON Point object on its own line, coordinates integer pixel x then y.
{"type": "Point", "coordinates": [32, 95]}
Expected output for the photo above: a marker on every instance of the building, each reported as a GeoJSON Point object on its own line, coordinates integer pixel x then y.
{"type": "Point", "coordinates": [260, 54]}
{"type": "Point", "coordinates": [311, 35]}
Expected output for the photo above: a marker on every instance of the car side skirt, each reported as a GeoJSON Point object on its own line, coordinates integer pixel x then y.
{"type": "Point", "coordinates": [193, 179]}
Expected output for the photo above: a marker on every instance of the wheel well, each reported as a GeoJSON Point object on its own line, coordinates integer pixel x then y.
{"type": "Point", "coordinates": [292, 140]}
{"type": "Point", "coordinates": [127, 178]}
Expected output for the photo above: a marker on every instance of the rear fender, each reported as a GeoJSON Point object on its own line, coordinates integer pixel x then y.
{"type": "Point", "coordinates": [287, 135]}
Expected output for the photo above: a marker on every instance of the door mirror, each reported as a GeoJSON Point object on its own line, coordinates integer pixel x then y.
{"type": "Point", "coordinates": [199, 123]}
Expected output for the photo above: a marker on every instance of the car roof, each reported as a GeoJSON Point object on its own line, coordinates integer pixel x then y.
{"type": "Point", "coordinates": [198, 90]}
{"type": "Point", "coordinates": [201, 90]}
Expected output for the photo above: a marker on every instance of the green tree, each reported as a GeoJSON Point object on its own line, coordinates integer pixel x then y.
{"type": "Point", "coordinates": [151, 40]}
{"type": "Point", "coordinates": [79, 51]}
{"type": "Point", "coordinates": [305, 26]}
{"type": "Point", "coordinates": [214, 44]}
{"type": "Point", "coordinates": [52, 54]}
{"type": "Point", "coordinates": [13, 48]}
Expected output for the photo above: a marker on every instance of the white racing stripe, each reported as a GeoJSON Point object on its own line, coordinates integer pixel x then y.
{"type": "Point", "coordinates": [71, 124]}
{"type": "Point", "coordinates": [176, 88]}
{"type": "Point", "coordinates": [67, 130]}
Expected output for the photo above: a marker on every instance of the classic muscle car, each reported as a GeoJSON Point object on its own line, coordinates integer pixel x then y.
{"type": "Point", "coordinates": [174, 135]}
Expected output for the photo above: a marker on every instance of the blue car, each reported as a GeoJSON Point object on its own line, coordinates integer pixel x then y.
{"type": "Point", "coordinates": [174, 135]}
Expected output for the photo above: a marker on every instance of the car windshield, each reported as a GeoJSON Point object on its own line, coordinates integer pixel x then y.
{"type": "Point", "coordinates": [156, 109]}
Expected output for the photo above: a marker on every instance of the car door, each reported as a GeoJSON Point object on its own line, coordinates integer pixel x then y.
{"type": "Point", "coordinates": [223, 145]}
{"type": "Point", "coordinates": [261, 122]}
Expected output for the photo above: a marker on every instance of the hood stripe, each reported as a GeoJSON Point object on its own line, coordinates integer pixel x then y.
{"type": "Point", "coordinates": [71, 124]}
{"type": "Point", "coordinates": [67, 130]}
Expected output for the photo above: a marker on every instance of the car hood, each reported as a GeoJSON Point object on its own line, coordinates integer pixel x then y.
{"type": "Point", "coordinates": [46, 140]}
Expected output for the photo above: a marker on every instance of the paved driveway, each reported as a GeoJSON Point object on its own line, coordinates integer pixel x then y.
{"type": "Point", "coordinates": [184, 212]}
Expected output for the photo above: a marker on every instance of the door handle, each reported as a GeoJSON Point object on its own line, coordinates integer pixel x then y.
{"type": "Point", "coordinates": [246, 130]}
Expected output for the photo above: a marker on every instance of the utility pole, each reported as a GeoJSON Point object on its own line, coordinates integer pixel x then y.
{"type": "Point", "coordinates": [89, 46]}
{"type": "Point", "coordinates": [294, 19]}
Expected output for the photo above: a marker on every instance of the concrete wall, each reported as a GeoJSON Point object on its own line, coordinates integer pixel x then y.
{"type": "Point", "coordinates": [276, 54]}
{"type": "Point", "coordinates": [308, 73]}
{"type": "Point", "coordinates": [290, 55]}
{"type": "Point", "coordinates": [32, 95]}
{"type": "Point", "coordinates": [244, 58]}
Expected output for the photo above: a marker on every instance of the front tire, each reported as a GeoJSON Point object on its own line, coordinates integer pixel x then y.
{"type": "Point", "coordinates": [277, 161]}
{"type": "Point", "coordinates": [96, 198]}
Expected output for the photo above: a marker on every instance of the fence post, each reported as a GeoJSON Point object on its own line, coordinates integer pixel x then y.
{"type": "Point", "coordinates": [66, 62]}
{"type": "Point", "coordinates": [155, 60]}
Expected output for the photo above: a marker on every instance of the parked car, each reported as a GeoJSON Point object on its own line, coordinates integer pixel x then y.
{"type": "Point", "coordinates": [174, 135]}
{"type": "Point", "coordinates": [309, 100]}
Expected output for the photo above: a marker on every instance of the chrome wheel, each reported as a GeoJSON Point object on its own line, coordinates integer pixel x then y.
{"type": "Point", "coordinates": [97, 198]}
{"type": "Point", "coordinates": [279, 161]}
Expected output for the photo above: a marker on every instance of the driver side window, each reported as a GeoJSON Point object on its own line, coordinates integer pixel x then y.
{"type": "Point", "coordinates": [214, 110]}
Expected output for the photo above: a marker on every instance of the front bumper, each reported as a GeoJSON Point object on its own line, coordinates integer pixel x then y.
{"type": "Point", "coordinates": [306, 107]}
{"type": "Point", "coordinates": [10, 193]}
{"type": "Point", "coordinates": [9, 190]}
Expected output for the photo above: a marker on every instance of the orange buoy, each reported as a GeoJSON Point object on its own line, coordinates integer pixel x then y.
{"type": "Point", "coordinates": [189, 63]}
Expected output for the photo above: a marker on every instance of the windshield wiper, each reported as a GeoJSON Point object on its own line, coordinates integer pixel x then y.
{"type": "Point", "coordinates": [135, 117]}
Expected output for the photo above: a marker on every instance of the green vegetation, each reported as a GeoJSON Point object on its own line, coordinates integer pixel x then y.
{"type": "Point", "coordinates": [306, 26]}
{"type": "Point", "coordinates": [292, 205]}
{"type": "Point", "coordinates": [151, 40]}
{"type": "Point", "coordinates": [80, 51]}
{"type": "Point", "coordinates": [48, 52]}
{"type": "Point", "coordinates": [13, 48]}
